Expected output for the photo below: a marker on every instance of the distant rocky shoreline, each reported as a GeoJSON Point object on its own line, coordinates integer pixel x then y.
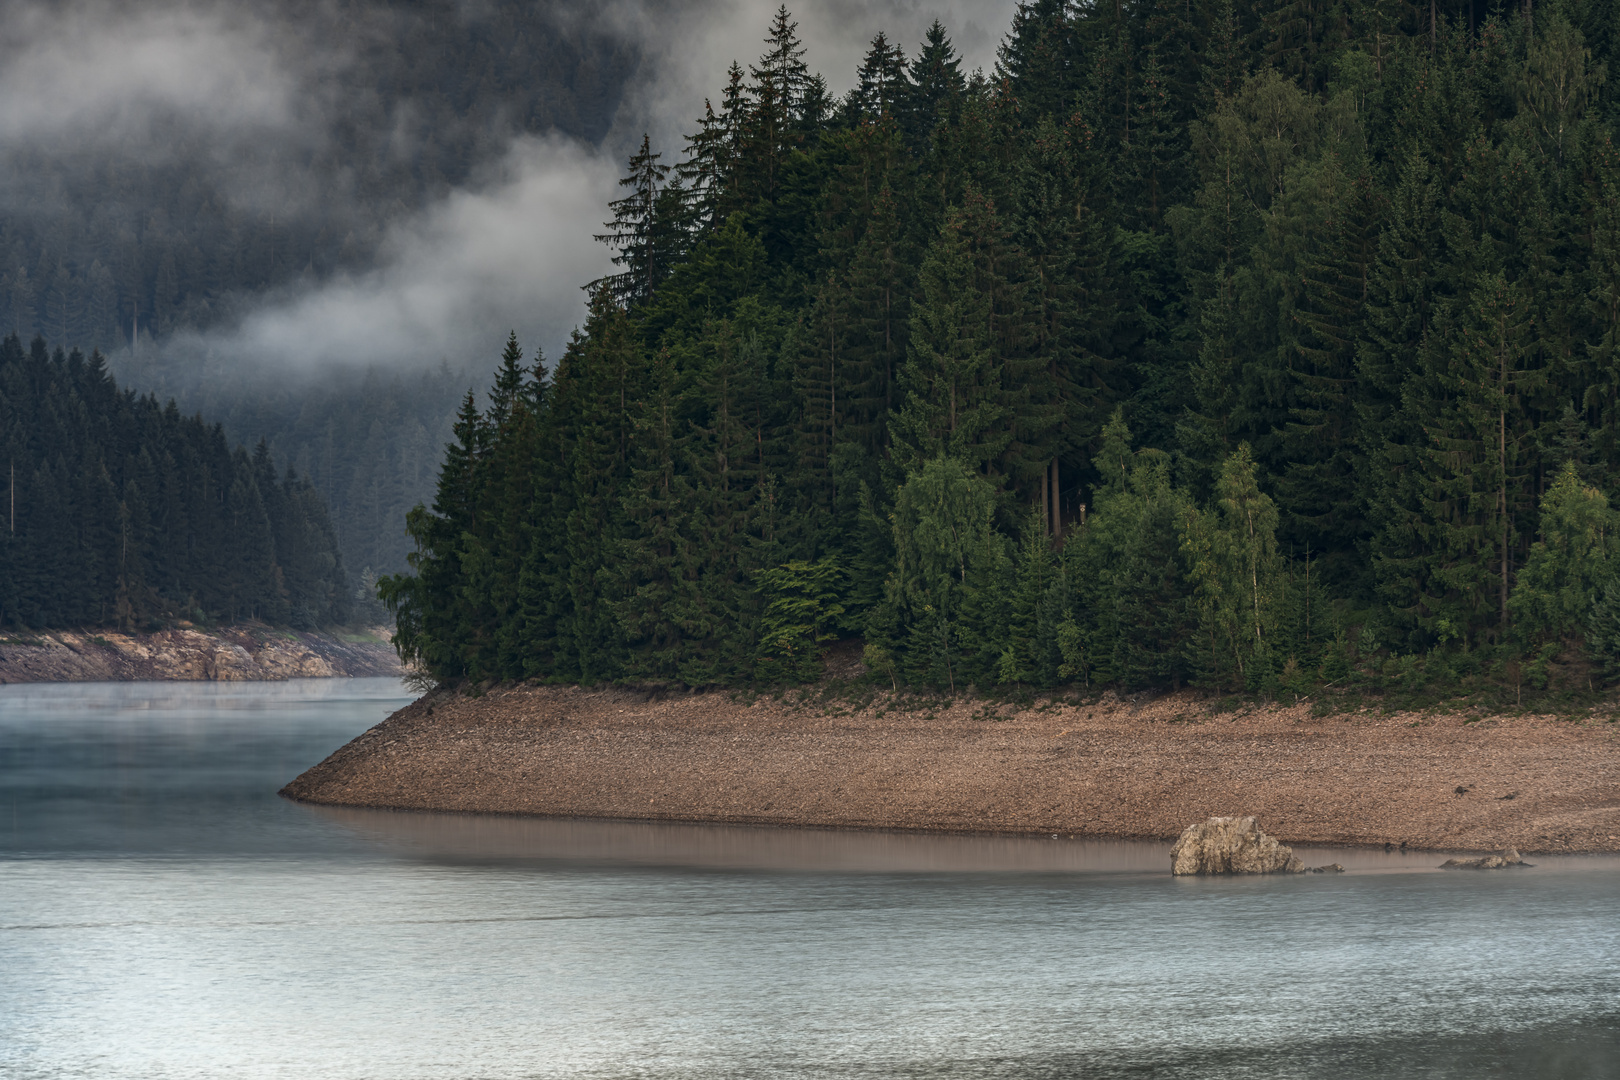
{"type": "Point", "coordinates": [233, 653]}
{"type": "Point", "coordinates": [1105, 769]}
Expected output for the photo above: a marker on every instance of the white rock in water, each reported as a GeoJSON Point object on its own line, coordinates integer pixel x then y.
{"type": "Point", "coordinates": [1231, 845]}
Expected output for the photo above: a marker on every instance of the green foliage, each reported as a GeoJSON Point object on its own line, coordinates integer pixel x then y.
{"type": "Point", "coordinates": [1565, 582]}
{"type": "Point", "coordinates": [803, 603]}
{"type": "Point", "coordinates": [1238, 577]}
{"type": "Point", "coordinates": [1352, 277]}
{"type": "Point", "coordinates": [950, 564]}
{"type": "Point", "coordinates": [119, 511]}
{"type": "Point", "coordinates": [1131, 619]}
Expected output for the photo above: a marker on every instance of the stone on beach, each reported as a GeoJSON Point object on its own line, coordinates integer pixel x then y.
{"type": "Point", "coordinates": [1231, 845]}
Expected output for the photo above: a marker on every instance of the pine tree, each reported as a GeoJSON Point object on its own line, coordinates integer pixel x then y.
{"type": "Point", "coordinates": [638, 231]}
{"type": "Point", "coordinates": [1068, 242]}
{"type": "Point", "coordinates": [936, 88]}
{"type": "Point", "coordinates": [881, 86]}
{"type": "Point", "coordinates": [1400, 311]}
{"type": "Point", "coordinates": [706, 169]}
{"type": "Point", "coordinates": [1038, 59]}
{"type": "Point", "coordinates": [773, 126]}
{"type": "Point", "coordinates": [1298, 37]}
{"type": "Point", "coordinates": [881, 277]}
{"type": "Point", "coordinates": [1223, 69]}
{"type": "Point", "coordinates": [1317, 491]}
{"type": "Point", "coordinates": [1157, 156]}
{"type": "Point", "coordinates": [652, 565]}
{"type": "Point", "coordinates": [951, 403]}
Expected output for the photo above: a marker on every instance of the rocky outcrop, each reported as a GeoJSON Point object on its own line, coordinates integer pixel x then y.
{"type": "Point", "coordinates": [234, 653]}
{"type": "Point", "coordinates": [1231, 845]}
{"type": "Point", "coordinates": [1508, 857]}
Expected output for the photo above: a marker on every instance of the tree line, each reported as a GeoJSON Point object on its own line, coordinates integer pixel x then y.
{"type": "Point", "coordinates": [122, 512]}
{"type": "Point", "coordinates": [1248, 344]}
{"type": "Point", "coordinates": [368, 439]}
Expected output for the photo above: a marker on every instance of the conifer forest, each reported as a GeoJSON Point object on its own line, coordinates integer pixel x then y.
{"type": "Point", "coordinates": [1257, 345]}
{"type": "Point", "coordinates": [122, 512]}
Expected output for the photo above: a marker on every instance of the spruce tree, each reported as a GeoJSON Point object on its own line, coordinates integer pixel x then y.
{"type": "Point", "coordinates": [1038, 59]}
{"type": "Point", "coordinates": [936, 88]}
{"type": "Point", "coordinates": [646, 240]}
{"type": "Point", "coordinates": [1317, 491]}
{"type": "Point", "coordinates": [881, 87]}
{"type": "Point", "coordinates": [951, 403]}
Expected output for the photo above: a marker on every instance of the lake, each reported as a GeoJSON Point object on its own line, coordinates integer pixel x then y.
{"type": "Point", "coordinates": [164, 914]}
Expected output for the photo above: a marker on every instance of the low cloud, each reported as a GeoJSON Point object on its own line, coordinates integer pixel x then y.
{"type": "Point", "coordinates": [507, 255]}
{"type": "Point", "coordinates": [243, 84]}
{"type": "Point", "coordinates": [68, 73]}
{"type": "Point", "coordinates": [512, 252]}
{"type": "Point", "coordinates": [687, 48]}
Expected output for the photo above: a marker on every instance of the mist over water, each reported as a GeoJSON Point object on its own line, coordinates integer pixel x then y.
{"type": "Point", "coordinates": [164, 914]}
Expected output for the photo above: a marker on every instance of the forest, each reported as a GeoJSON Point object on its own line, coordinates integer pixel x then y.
{"type": "Point", "coordinates": [122, 512]}
{"type": "Point", "coordinates": [1256, 345]}
{"type": "Point", "coordinates": [369, 439]}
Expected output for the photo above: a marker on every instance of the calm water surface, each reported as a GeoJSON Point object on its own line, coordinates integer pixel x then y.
{"type": "Point", "coordinates": [164, 914]}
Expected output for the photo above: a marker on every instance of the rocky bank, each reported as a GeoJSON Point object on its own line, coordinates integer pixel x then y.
{"type": "Point", "coordinates": [232, 653]}
{"type": "Point", "coordinates": [1110, 768]}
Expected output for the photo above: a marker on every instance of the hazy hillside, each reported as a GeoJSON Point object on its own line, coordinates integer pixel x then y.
{"type": "Point", "coordinates": [284, 197]}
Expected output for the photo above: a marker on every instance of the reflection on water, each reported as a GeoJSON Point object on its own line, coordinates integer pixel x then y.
{"type": "Point", "coordinates": [492, 838]}
{"type": "Point", "coordinates": [163, 914]}
{"type": "Point", "coordinates": [472, 837]}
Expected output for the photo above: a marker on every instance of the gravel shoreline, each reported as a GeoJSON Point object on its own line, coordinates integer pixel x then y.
{"type": "Point", "coordinates": [1111, 769]}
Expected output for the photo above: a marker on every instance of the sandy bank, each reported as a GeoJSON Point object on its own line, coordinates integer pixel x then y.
{"type": "Point", "coordinates": [232, 653]}
{"type": "Point", "coordinates": [1538, 783]}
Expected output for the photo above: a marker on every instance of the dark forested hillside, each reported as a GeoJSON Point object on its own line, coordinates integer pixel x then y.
{"type": "Point", "coordinates": [1250, 343]}
{"type": "Point", "coordinates": [370, 442]}
{"type": "Point", "coordinates": [120, 511]}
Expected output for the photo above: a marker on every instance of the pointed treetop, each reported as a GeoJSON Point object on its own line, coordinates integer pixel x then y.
{"type": "Point", "coordinates": [880, 81]}
{"type": "Point", "coordinates": [781, 70]}
{"type": "Point", "coordinates": [631, 232]}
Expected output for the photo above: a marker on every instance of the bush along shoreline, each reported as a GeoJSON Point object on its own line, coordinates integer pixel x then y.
{"type": "Point", "coordinates": [1173, 352]}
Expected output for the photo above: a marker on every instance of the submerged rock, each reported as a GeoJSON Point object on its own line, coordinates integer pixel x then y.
{"type": "Point", "coordinates": [1231, 845]}
{"type": "Point", "coordinates": [1509, 857]}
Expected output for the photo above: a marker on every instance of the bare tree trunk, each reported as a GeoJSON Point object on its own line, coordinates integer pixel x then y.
{"type": "Point", "coordinates": [1046, 506]}
{"type": "Point", "coordinates": [1502, 443]}
{"type": "Point", "coordinates": [1057, 501]}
